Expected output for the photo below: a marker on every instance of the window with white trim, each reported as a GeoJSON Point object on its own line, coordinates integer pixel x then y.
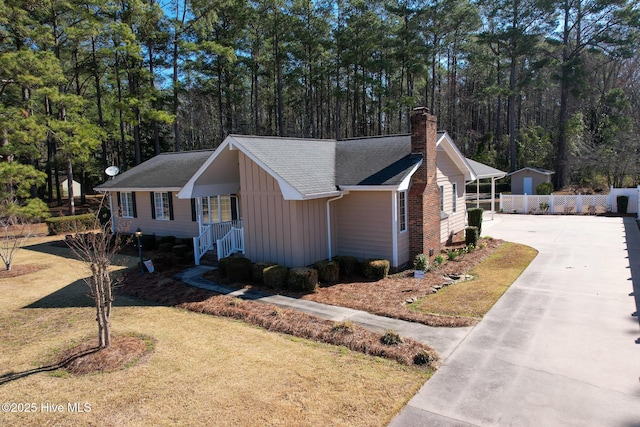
{"type": "Point", "coordinates": [455, 197]}
{"type": "Point", "coordinates": [161, 205]}
{"type": "Point", "coordinates": [126, 205]}
{"type": "Point", "coordinates": [219, 209]}
{"type": "Point", "coordinates": [402, 210]}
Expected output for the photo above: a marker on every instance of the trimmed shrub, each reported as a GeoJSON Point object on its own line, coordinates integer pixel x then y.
{"type": "Point", "coordinates": [623, 203]}
{"type": "Point", "coordinates": [70, 224]}
{"type": "Point", "coordinates": [167, 239]}
{"type": "Point", "coordinates": [348, 264]}
{"type": "Point", "coordinates": [471, 236]}
{"type": "Point", "coordinates": [165, 246]}
{"type": "Point", "coordinates": [275, 276]}
{"type": "Point", "coordinates": [375, 269]}
{"type": "Point", "coordinates": [238, 269]}
{"type": "Point", "coordinates": [422, 358]}
{"type": "Point", "coordinates": [185, 241]}
{"type": "Point", "coordinates": [544, 188]}
{"type": "Point", "coordinates": [148, 241]}
{"type": "Point", "coordinates": [475, 218]}
{"type": "Point", "coordinates": [303, 279]}
{"type": "Point", "coordinates": [328, 271]}
{"type": "Point", "coordinates": [181, 250]}
{"type": "Point", "coordinates": [391, 338]}
{"type": "Point", "coordinates": [257, 272]}
{"type": "Point", "coordinates": [421, 262]}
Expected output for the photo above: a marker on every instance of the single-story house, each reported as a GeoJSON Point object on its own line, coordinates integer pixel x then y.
{"type": "Point", "coordinates": [295, 201]}
{"type": "Point", "coordinates": [525, 180]}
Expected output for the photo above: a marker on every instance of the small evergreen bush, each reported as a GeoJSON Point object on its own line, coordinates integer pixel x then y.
{"type": "Point", "coordinates": [422, 358]}
{"type": "Point", "coordinates": [238, 269]}
{"type": "Point", "coordinates": [375, 269]}
{"type": "Point", "coordinates": [421, 262]}
{"type": "Point", "coordinates": [257, 273]}
{"type": "Point", "coordinates": [544, 188]}
{"type": "Point", "coordinates": [623, 203]}
{"type": "Point", "coordinates": [168, 239]}
{"type": "Point", "coordinates": [275, 276]}
{"type": "Point", "coordinates": [475, 218]}
{"type": "Point", "coordinates": [164, 246]}
{"type": "Point", "coordinates": [328, 271]}
{"type": "Point", "coordinates": [391, 338]}
{"type": "Point", "coordinates": [346, 326]}
{"type": "Point", "coordinates": [471, 236]}
{"type": "Point", "coordinates": [348, 264]}
{"type": "Point", "coordinates": [303, 279]}
{"type": "Point", "coordinates": [181, 250]}
{"type": "Point", "coordinates": [438, 260]}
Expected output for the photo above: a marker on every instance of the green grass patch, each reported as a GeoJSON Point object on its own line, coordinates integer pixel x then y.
{"type": "Point", "coordinates": [492, 277]}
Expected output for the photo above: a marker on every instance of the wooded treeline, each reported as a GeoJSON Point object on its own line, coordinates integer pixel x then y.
{"type": "Point", "coordinates": [87, 84]}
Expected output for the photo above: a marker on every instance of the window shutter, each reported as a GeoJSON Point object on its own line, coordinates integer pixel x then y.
{"type": "Point", "coordinates": [153, 206]}
{"type": "Point", "coordinates": [170, 205]}
{"type": "Point", "coordinates": [234, 207]}
{"type": "Point", "coordinates": [134, 207]}
{"type": "Point", "coordinates": [193, 210]}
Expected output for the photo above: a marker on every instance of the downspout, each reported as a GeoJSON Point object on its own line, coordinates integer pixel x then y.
{"type": "Point", "coordinates": [113, 219]}
{"type": "Point", "coordinates": [330, 255]}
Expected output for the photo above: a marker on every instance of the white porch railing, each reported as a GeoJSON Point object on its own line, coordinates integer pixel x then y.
{"type": "Point", "coordinates": [210, 234]}
{"type": "Point", "coordinates": [202, 243]}
{"type": "Point", "coordinates": [232, 242]}
{"type": "Point", "coordinates": [582, 204]}
{"type": "Point", "coordinates": [221, 229]}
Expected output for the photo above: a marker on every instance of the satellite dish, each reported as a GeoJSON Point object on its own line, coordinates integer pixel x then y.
{"type": "Point", "coordinates": [112, 171]}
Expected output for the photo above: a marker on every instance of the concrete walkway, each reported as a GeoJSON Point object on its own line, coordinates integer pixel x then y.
{"type": "Point", "coordinates": [559, 348]}
{"type": "Point", "coordinates": [443, 340]}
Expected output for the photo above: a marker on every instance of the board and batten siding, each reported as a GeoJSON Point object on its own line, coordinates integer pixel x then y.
{"type": "Point", "coordinates": [292, 233]}
{"type": "Point", "coordinates": [364, 225]}
{"type": "Point", "coordinates": [447, 174]}
{"type": "Point", "coordinates": [182, 226]}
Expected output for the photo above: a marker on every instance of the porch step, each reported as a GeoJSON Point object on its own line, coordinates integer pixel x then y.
{"type": "Point", "coordinates": [209, 258]}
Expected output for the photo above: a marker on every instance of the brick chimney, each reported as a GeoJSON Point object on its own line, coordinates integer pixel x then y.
{"type": "Point", "coordinates": [424, 194]}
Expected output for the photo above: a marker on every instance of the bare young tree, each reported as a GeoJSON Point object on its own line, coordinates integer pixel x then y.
{"type": "Point", "coordinates": [15, 232]}
{"type": "Point", "coordinates": [97, 250]}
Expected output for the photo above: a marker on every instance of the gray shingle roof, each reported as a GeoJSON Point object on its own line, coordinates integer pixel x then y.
{"type": "Point", "coordinates": [374, 161]}
{"type": "Point", "coordinates": [307, 165]}
{"type": "Point", "coordinates": [167, 170]}
{"type": "Point", "coordinates": [485, 171]}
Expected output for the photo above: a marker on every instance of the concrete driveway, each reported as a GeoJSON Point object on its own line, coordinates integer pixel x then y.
{"type": "Point", "coordinates": [559, 348]}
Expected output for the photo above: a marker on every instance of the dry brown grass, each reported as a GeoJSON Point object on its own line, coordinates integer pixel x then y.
{"type": "Point", "coordinates": [204, 370]}
{"type": "Point", "coordinates": [492, 278]}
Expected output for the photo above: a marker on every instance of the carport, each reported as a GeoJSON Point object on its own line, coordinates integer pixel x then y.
{"type": "Point", "coordinates": [483, 171]}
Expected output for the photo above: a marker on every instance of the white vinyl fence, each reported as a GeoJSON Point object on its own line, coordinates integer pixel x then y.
{"type": "Point", "coordinates": [581, 204]}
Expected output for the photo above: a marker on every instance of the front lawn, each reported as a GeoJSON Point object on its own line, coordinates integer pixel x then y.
{"type": "Point", "coordinates": [203, 370]}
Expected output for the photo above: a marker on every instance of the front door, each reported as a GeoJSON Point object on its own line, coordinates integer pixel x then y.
{"type": "Point", "coordinates": [528, 185]}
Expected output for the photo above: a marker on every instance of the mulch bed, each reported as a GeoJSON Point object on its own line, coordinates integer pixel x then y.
{"type": "Point", "coordinates": [163, 289]}
{"type": "Point", "coordinates": [123, 352]}
{"type": "Point", "coordinates": [389, 297]}
{"type": "Point", "coordinates": [19, 270]}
